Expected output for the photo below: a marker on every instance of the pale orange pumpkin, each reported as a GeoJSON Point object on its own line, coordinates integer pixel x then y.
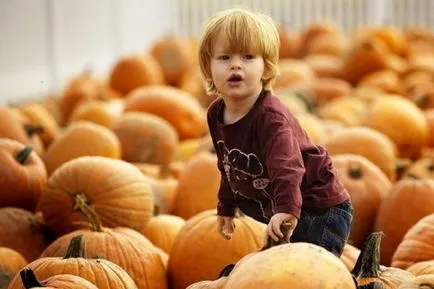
{"type": "Point", "coordinates": [419, 282]}
{"type": "Point", "coordinates": [325, 65]}
{"type": "Point", "coordinates": [312, 31]}
{"type": "Point", "coordinates": [313, 126]}
{"type": "Point", "coordinates": [408, 201]}
{"type": "Point", "coordinates": [102, 112]}
{"type": "Point", "coordinates": [200, 253]}
{"type": "Point", "coordinates": [348, 110]}
{"type": "Point", "coordinates": [327, 89]}
{"type": "Point", "coordinates": [116, 190]}
{"type": "Point", "coordinates": [61, 281]}
{"type": "Point", "coordinates": [162, 230]}
{"type": "Point", "coordinates": [349, 256]}
{"type": "Point", "coordinates": [329, 44]}
{"type": "Point", "coordinates": [422, 268]}
{"type": "Point", "coordinates": [387, 80]}
{"type": "Point", "coordinates": [11, 262]}
{"type": "Point", "coordinates": [289, 42]}
{"type": "Point", "coordinates": [293, 71]}
{"type": "Point", "coordinates": [422, 168]}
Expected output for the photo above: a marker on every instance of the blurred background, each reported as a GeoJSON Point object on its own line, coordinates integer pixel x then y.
{"type": "Point", "coordinates": [46, 42]}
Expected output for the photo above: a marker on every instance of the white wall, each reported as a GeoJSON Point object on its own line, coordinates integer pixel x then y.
{"type": "Point", "coordinates": [48, 41]}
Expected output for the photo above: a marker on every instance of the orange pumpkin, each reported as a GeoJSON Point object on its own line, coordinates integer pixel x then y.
{"type": "Point", "coordinates": [116, 190]}
{"type": "Point", "coordinates": [289, 42]}
{"type": "Point", "coordinates": [422, 94]}
{"type": "Point", "coordinates": [198, 186]}
{"type": "Point", "coordinates": [11, 262]}
{"type": "Point", "coordinates": [193, 83]}
{"type": "Point", "coordinates": [419, 282]}
{"type": "Point", "coordinates": [62, 281]}
{"type": "Point", "coordinates": [24, 232]}
{"type": "Point", "coordinates": [328, 43]}
{"type": "Point", "coordinates": [133, 71]}
{"type": "Point", "coordinates": [327, 89]}
{"type": "Point", "coordinates": [368, 187]}
{"type": "Point", "coordinates": [100, 272]}
{"type": "Point", "coordinates": [162, 230]}
{"type": "Point", "coordinates": [408, 201]}
{"type": "Point", "coordinates": [349, 256]}
{"type": "Point", "coordinates": [369, 271]}
{"type": "Point", "coordinates": [147, 138]}
{"type": "Point", "coordinates": [325, 65]}
{"type": "Point", "coordinates": [359, 141]}
{"type": "Point", "coordinates": [312, 31]}
{"type": "Point", "coordinates": [25, 175]}
{"type": "Point", "coordinates": [124, 247]}
{"type": "Point", "coordinates": [313, 126]}
{"type": "Point", "coordinates": [386, 80]}
{"type": "Point", "coordinates": [422, 168]}
{"type": "Point", "coordinates": [200, 253]}
{"type": "Point", "coordinates": [415, 243]}
{"type": "Point", "coordinates": [164, 190]}
{"type": "Point", "coordinates": [394, 111]}
{"type": "Point", "coordinates": [422, 268]}
{"type": "Point", "coordinates": [101, 112]}
{"type": "Point", "coordinates": [293, 71]}
{"type": "Point", "coordinates": [82, 138]}
{"type": "Point", "coordinates": [179, 108]}
{"type": "Point", "coordinates": [348, 110]}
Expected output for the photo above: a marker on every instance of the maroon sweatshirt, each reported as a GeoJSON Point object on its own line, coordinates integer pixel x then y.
{"type": "Point", "coordinates": [268, 163]}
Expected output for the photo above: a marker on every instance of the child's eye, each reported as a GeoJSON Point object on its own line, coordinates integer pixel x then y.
{"type": "Point", "coordinates": [249, 56]}
{"type": "Point", "coordinates": [223, 57]}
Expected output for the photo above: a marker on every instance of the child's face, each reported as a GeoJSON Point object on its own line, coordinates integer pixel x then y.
{"type": "Point", "coordinates": [236, 75]}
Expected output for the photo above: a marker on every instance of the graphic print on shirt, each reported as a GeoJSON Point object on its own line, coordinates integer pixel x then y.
{"type": "Point", "coordinates": [244, 173]}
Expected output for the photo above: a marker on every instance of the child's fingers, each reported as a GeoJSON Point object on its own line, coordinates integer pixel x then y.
{"type": "Point", "coordinates": [271, 233]}
{"type": "Point", "coordinates": [276, 229]}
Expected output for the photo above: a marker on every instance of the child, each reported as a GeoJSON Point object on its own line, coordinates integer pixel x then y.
{"type": "Point", "coordinates": [270, 169]}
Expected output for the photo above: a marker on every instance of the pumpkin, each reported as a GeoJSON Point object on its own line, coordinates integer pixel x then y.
{"type": "Point", "coordinates": [420, 282]}
{"type": "Point", "coordinates": [189, 147]}
{"type": "Point", "coordinates": [116, 190]}
{"type": "Point", "coordinates": [51, 104]}
{"type": "Point", "coordinates": [359, 141]}
{"type": "Point", "coordinates": [422, 168]}
{"type": "Point", "coordinates": [14, 125]}
{"type": "Point", "coordinates": [102, 112]}
{"type": "Point", "coordinates": [24, 175]}
{"type": "Point", "coordinates": [363, 57]}
{"type": "Point", "coordinates": [162, 230]}
{"type": "Point", "coordinates": [147, 138]}
{"type": "Point", "coordinates": [348, 110]}
{"type": "Point", "coordinates": [198, 186]}
{"type": "Point", "coordinates": [11, 262]}
{"type": "Point", "coordinates": [408, 201]}
{"type": "Point", "coordinates": [327, 89]}
{"type": "Point", "coordinates": [192, 82]}
{"type": "Point", "coordinates": [422, 94]}
{"type": "Point", "coordinates": [199, 252]}
{"type": "Point", "coordinates": [164, 190]}
{"type": "Point", "coordinates": [349, 256]}
{"type": "Point", "coordinates": [293, 71]}
{"type": "Point", "coordinates": [289, 42]}
{"type": "Point", "coordinates": [325, 65]}
{"type": "Point", "coordinates": [82, 138]}
{"type": "Point", "coordinates": [393, 37]}
{"type": "Point", "coordinates": [122, 246]}
{"type": "Point", "coordinates": [416, 245]}
{"type": "Point", "coordinates": [175, 56]}
{"type": "Point", "coordinates": [100, 272]}
{"type": "Point", "coordinates": [328, 43]}
{"type": "Point", "coordinates": [24, 232]}
{"type": "Point", "coordinates": [368, 269]}
{"type": "Point", "coordinates": [313, 126]}
{"type": "Point", "coordinates": [422, 268]}
{"type": "Point", "coordinates": [38, 115]}
{"type": "Point", "coordinates": [421, 62]}
{"type": "Point", "coordinates": [312, 31]}
{"type": "Point", "coordinates": [133, 71]}
{"type": "Point", "coordinates": [388, 113]}
{"type": "Point", "coordinates": [368, 187]}
{"type": "Point", "coordinates": [179, 108]}
{"type": "Point", "coordinates": [368, 93]}
{"type": "Point", "coordinates": [82, 88]}
{"type": "Point", "coordinates": [386, 80]}
{"type": "Point", "coordinates": [62, 281]}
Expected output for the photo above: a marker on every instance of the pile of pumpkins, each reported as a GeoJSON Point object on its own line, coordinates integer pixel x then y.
{"type": "Point", "coordinates": [112, 183]}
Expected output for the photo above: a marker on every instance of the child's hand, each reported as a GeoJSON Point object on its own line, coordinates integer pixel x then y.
{"type": "Point", "coordinates": [225, 226]}
{"type": "Point", "coordinates": [273, 228]}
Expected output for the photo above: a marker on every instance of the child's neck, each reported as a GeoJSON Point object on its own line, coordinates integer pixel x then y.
{"type": "Point", "coordinates": [238, 108]}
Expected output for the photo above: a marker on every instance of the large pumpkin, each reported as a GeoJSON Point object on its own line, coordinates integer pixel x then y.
{"type": "Point", "coordinates": [133, 71]}
{"type": "Point", "coordinates": [178, 107]}
{"type": "Point", "coordinates": [24, 175]}
{"type": "Point", "coordinates": [407, 202]}
{"type": "Point", "coordinates": [100, 272]}
{"type": "Point", "coordinates": [368, 187]}
{"type": "Point", "coordinates": [82, 138]}
{"type": "Point", "coordinates": [146, 138]}
{"type": "Point", "coordinates": [122, 246]}
{"type": "Point", "coordinates": [116, 190]}
{"type": "Point", "coordinates": [198, 186]}
{"type": "Point", "coordinates": [11, 262]}
{"type": "Point", "coordinates": [360, 141]}
{"type": "Point", "coordinates": [24, 232]}
{"type": "Point", "coordinates": [62, 281]}
{"type": "Point", "coordinates": [416, 244]}
{"type": "Point", "coordinates": [200, 253]}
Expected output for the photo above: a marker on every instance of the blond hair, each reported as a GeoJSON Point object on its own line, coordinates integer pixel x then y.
{"type": "Point", "coordinates": [245, 32]}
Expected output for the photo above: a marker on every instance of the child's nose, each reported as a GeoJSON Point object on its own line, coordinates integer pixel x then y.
{"type": "Point", "coordinates": [235, 63]}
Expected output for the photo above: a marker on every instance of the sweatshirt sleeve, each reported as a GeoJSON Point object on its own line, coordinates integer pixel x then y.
{"type": "Point", "coordinates": [282, 156]}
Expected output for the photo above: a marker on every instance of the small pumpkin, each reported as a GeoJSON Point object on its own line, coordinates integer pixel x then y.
{"type": "Point", "coordinates": [416, 245]}
{"type": "Point", "coordinates": [422, 268]}
{"type": "Point", "coordinates": [348, 110]}
{"type": "Point", "coordinates": [312, 31]}
{"type": "Point", "coordinates": [192, 82]}
{"type": "Point", "coordinates": [325, 65]}
{"type": "Point", "coordinates": [133, 71]}
{"type": "Point", "coordinates": [313, 126]}
{"type": "Point", "coordinates": [116, 190]}
{"type": "Point", "coordinates": [387, 80]}
{"type": "Point", "coordinates": [102, 112]}
{"type": "Point", "coordinates": [62, 281]}
{"type": "Point", "coordinates": [25, 175]}
{"type": "Point", "coordinates": [408, 201]}
{"type": "Point", "coordinates": [100, 272]}
{"type": "Point", "coordinates": [327, 89]}
{"type": "Point", "coordinates": [329, 43]}
{"type": "Point", "coordinates": [419, 282]}
{"type": "Point", "coordinates": [293, 71]}
{"type": "Point", "coordinates": [11, 262]}
{"type": "Point", "coordinates": [82, 138]}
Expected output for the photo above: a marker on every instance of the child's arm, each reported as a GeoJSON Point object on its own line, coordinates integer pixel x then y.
{"type": "Point", "coordinates": [226, 202]}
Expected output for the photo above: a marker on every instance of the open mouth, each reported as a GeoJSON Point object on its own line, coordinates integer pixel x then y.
{"type": "Point", "coordinates": [234, 78]}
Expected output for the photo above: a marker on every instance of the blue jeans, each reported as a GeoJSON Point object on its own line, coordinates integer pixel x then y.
{"type": "Point", "coordinates": [328, 228]}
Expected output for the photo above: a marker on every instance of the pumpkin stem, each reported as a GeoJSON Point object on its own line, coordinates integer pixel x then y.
{"type": "Point", "coordinates": [226, 270]}
{"type": "Point", "coordinates": [368, 262]}
{"type": "Point", "coordinates": [32, 129]}
{"type": "Point", "coordinates": [29, 279]}
{"type": "Point", "coordinates": [76, 248]}
{"type": "Point", "coordinates": [23, 155]}
{"type": "Point", "coordinates": [82, 204]}
{"type": "Point", "coordinates": [431, 166]}
{"type": "Point", "coordinates": [164, 171]}
{"type": "Point", "coordinates": [401, 166]}
{"type": "Point", "coordinates": [372, 285]}
{"type": "Point", "coordinates": [355, 171]}
{"type": "Point", "coordinates": [422, 101]}
{"type": "Point", "coordinates": [156, 210]}
{"type": "Point", "coordinates": [271, 243]}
